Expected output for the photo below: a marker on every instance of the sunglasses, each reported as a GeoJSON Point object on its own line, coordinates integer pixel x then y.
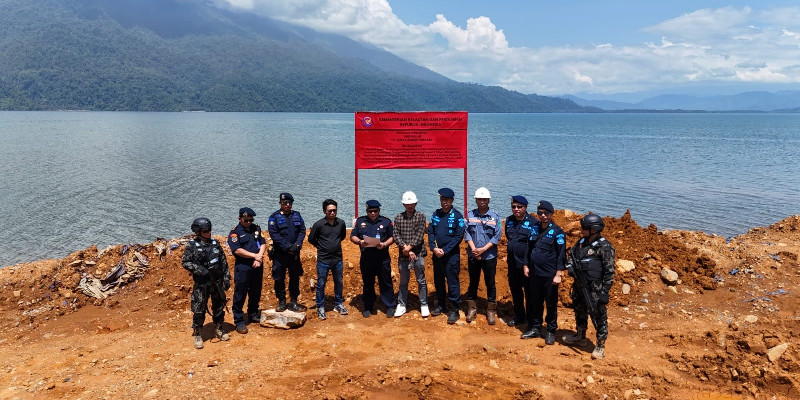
{"type": "Point", "coordinates": [517, 207]}
{"type": "Point", "coordinates": [286, 203]}
{"type": "Point", "coordinates": [543, 212]}
{"type": "Point", "coordinates": [374, 210]}
{"type": "Point", "coordinates": [333, 210]}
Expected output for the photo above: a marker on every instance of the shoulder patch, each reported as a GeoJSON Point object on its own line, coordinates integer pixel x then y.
{"type": "Point", "coordinates": [560, 240]}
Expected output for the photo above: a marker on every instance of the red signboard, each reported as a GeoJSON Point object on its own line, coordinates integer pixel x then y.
{"type": "Point", "coordinates": [387, 140]}
{"type": "Point", "coordinates": [410, 140]}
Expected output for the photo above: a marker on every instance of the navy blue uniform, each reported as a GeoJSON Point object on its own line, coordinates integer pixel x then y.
{"type": "Point", "coordinates": [287, 233]}
{"type": "Point", "coordinates": [375, 262]}
{"type": "Point", "coordinates": [247, 280]}
{"type": "Point", "coordinates": [519, 234]}
{"type": "Point", "coordinates": [446, 231]}
{"type": "Point", "coordinates": [547, 255]}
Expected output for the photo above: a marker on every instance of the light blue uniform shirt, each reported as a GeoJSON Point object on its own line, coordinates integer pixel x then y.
{"type": "Point", "coordinates": [482, 229]}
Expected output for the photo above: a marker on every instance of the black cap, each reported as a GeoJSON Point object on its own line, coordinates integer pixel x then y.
{"type": "Point", "coordinates": [287, 196]}
{"type": "Point", "coordinates": [545, 205]}
{"type": "Point", "coordinates": [373, 204]}
{"type": "Point", "coordinates": [447, 192]}
{"type": "Point", "coordinates": [519, 199]}
{"type": "Point", "coordinates": [246, 211]}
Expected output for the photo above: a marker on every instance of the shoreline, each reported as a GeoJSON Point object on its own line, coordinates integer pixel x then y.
{"type": "Point", "coordinates": [716, 330]}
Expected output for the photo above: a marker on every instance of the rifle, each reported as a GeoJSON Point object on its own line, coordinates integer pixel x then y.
{"type": "Point", "coordinates": [580, 278]}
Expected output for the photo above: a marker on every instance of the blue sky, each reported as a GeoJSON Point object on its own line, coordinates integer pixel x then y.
{"type": "Point", "coordinates": [590, 48]}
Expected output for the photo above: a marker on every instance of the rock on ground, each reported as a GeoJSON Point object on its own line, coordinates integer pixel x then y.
{"type": "Point", "coordinates": [625, 266]}
{"type": "Point", "coordinates": [283, 320]}
{"type": "Point", "coordinates": [776, 352]}
{"type": "Point", "coordinates": [669, 276]}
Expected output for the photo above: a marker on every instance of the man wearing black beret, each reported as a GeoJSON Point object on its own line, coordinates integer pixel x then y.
{"type": "Point", "coordinates": [445, 233]}
{"type": "Point", "coordinates": [373, 233]}
{"type": "Point", "coordinates": [287, 230]}
{"type": "Point", "coordinates": [247, 244]}
{"type": "Point", "coordinates": [546, 261]}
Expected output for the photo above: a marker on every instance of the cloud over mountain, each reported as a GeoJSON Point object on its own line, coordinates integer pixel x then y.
{"type": "Point", "coordinates": [711, 45]}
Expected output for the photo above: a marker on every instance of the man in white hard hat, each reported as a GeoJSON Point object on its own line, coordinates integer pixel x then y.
{"type": "Point", "coordinates": [483, 233]}
{"type": "Point", "coordinates": [409, 234]}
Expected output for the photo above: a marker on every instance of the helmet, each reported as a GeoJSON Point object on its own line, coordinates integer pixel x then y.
{"type": "Point", "coordinates": [592, 222]}
{"type": "Point", "coordinates": [409, 197]}
{"type": "Point", "coordinates": [482, 193]}
{"type": "Point", "coordinates": [201, 223]}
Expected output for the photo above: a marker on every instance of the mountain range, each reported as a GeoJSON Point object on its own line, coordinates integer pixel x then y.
{"type": "Point", "coordinates": [779, 101]}
{"type": "Point", "coordinates": [176, 55]}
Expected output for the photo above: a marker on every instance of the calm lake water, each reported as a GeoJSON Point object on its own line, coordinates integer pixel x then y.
{"type": "Point", "coordinates": [72, 179]}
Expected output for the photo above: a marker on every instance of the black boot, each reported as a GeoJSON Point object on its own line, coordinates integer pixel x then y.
{"type": "Point", "coordinates": [453, 316]}
{"type": "Point", "coordinates": [578, 338]}
{"type": "Point", "coordinates": [531, 333]}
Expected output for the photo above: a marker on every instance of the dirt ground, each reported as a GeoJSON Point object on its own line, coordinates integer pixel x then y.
{"type": "Point", "coordinates": [728, 329]}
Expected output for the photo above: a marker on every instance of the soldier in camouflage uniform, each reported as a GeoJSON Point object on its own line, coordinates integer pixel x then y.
{"type": "Point", "coordinates": [593, 259]}
{"type": "Point", "coordinates": [204, 258]}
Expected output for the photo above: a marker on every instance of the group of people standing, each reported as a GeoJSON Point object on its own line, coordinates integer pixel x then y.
{"type": "Point", "coordinates": [537, 257]}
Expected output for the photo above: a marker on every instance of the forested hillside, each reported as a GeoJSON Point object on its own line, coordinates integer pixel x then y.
{"type": "Point", "coordinates": [172, 55]}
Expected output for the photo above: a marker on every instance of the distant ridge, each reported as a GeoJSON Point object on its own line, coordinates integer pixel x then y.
{"type": "Point", "coordinates": [779, 101]}
{"type": "Point", "coordinates": [187, 55]}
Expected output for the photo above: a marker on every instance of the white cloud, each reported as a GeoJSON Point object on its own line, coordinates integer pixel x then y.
{"type": "Point", "coordinates": [719, 45]}
{"type": "Point", "coordinates": [480, 35]}
{"type": "Point", "coordinates": [704, 24]}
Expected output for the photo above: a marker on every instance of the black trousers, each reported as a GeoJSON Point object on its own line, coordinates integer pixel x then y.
{"type": "Point", "coordinates": [445, 279]}
{"type": "Point", "coordinates": [489, 269]}
{"type": "Point", "coordinates": [518, 284]}
{"type": "Point", "coordinates": [287, 262]}
{"type": "Point", "coordinates": [381, 268]}
{"type": "Point", "coordinates": [247, 283]}
{"type": "Point", "coordinates": [541, 292]}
